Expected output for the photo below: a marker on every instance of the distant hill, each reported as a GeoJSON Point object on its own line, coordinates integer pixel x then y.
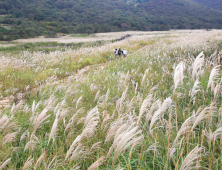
{"type": "Point", "coordinates": [30, 18]}
{"type": "Point", "coordinates": [214, 4]}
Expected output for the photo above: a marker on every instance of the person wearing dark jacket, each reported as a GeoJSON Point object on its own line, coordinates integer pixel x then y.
{"type": "Point", "coordinates": [120, 52]}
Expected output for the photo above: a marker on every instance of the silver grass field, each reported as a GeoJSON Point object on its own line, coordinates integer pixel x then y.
{"type": "Point", "coordinates": [159, 108]}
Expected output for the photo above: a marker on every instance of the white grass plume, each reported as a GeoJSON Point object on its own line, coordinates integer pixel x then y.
{"type": "Point", "coordinates": [178, 74]}
{"type": "Point", "coordinates": [4, 164]}
{"type": "Point", "coordinates": [186, 127]}
{"type": "Point", "coordinates": [204, 114]}
{"type": "Point", "coordinates": [39, 160]}
{"type": "Point", "coordinates": [153, 147]}
{"type": "Point", "coordinates": [121, 102]}
{"type": "Point", "coordinates": [126, 78]}
{"type": "Point", "coordinates": [105, 121]}
{"type": "Point", "coordinates": [132, 136]}
{"type": "Point", "coordinates": [172, 151]}
{"type": "Point", "coordinates": [213, 136]}
{"type": "Point", "coordinates": [118, 136]}
{"type": "Point", "coordinates": [28, 163]}
{"type": "Point", "coordinates": [146, 103]}
{"type": "Point", "coordinates": [97, 163]}
{"type": "Point", "coordinates": [11, 127]}
{"type": "Point", "coordinates": [63, 114]}
{"type": "Point", "coordinates": [102, 101]}
{"type": "Point", "coordinates": [197, 65]}
{"type": "Point", "coordinates": [53, 164]}
{"type": "Point", "coordinates": [217, 89]}
{"type": "Point", "coordinates": [130, 105]}
{"type": "Point", "coordinates": [24, 135]}
{"type": "Point", "coordinates": [92, 114]}
{"type": "Point", "coordinates": [216, 134]}
{"type": "Point", "coordinates": [52, 134]}
{"type": "Point", "coordinates": [5, 122]}
{"type": "Point", "coordinates": [76, 167]}
{"type": "Point", "coordinates": [90, 128]}
{"type": "Point", "coordinates": [32, 143]}
{"type": "Point", "coordinates": [213, 77]}
{"type": "Point", "coordinates": [41, 118]}
{"type": "Point", "coordinates": [122, 129]}
{"type": "Point", "coordinates": [95, 146]}
{"type": "Point", "coordinates": [78, 102]}
{"type": "Point", "coordinates": [73, 119]}
{"type": "Point", "coordinates": [119, 167]}
{"type": "Point", "coordinates": [96, 96]}
{"type": "Point", "coordinates": [160, 112]}
{"type": "Point", "coordinates": [3, 119]}
{"type": "Point", "coordinates": [155, 105]}
{"type": "Point", "coordinates": [34, 108]}
{"type": "Point", "coordinates": [15, 107]}
{"type": "Point", "coordinates": [112, 131]}
{"type": "Point", "coordinates": [135, 91]}
{"type": "Point", "coordinates": [72, 147]}
{"type": "Point", "coordinates": [195, 89]}
{"type": "Point", "coordinates": [153, 89]}
{"type": "Point", "coordinates": [11, 137]}
{"type": "Point", "coordinates": [79, 150]}
{"type": "Point", "coordinates": [144, 76]}
{"type": "Point", "coordinates": [190, 158]}
{"type": "Point", "coordinates": [213, 60]}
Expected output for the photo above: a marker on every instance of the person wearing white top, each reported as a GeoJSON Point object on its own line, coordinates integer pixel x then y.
{"type": "Point", "coordinates": [116, 52]}
{"type": "Point", "coordinates": [124, 52]}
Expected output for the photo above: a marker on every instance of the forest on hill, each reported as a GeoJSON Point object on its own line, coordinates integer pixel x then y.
{"type": "Point", "coordinates": [29, 18]}
{"type": "Point", "coordinates": [215, 4]}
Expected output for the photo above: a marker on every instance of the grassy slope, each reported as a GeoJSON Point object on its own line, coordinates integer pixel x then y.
{"type": "Point", "coordinates": [121, 91]}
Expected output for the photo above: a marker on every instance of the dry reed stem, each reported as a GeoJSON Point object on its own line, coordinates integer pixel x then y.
{"type": "Point", "coordinates": [160, 112]}
{"type": "Point", "coordinates": [4, 164]}
{"type": "Point", "coordinates": [28, 163]}
{"type": "Point", "coordinates": [197, 65]}
{"type": "Point", "coordinates": [52, 134]}
{"type": "Point", "coordinates": [97, 163]}
{"type": "Point", "coordinates": [41, 118]}
{"type": "Point", "coordinates": [77, 140]}
{"type": "Point", "coordinates": [213, 77]}
{"type": "Point", "coordinates": [40, 159]}
{"type": "Point", "coordinates": [124, 140]}
{"type": "Point", "coordinates": [178, 75]}
{"type": "Point", "coordinates": [146, 103]}
{"type": "Point", "coordinates": [190, 158]}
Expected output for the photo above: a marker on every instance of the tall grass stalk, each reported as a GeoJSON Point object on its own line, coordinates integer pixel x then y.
{"type": "Point", "coordinates": [81, 108]}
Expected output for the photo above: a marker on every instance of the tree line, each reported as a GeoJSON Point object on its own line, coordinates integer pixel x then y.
{"type": "Point", "coordinates": [30, 18]}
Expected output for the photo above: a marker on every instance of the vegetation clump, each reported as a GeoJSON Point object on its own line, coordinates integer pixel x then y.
{"type": "Point", "coordinates": [159, 108]}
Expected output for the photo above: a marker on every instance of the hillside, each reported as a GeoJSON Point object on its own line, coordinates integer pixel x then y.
{"type": "Point", "coordinates": [82, 108]}
{"type": "Point", "coordinates": [29, 18]}
{"type": "Point", "coordinates": [215, 4]}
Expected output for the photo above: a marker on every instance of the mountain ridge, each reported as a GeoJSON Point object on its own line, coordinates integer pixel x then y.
{"type": "Point", "coordinates": [29, 18]}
